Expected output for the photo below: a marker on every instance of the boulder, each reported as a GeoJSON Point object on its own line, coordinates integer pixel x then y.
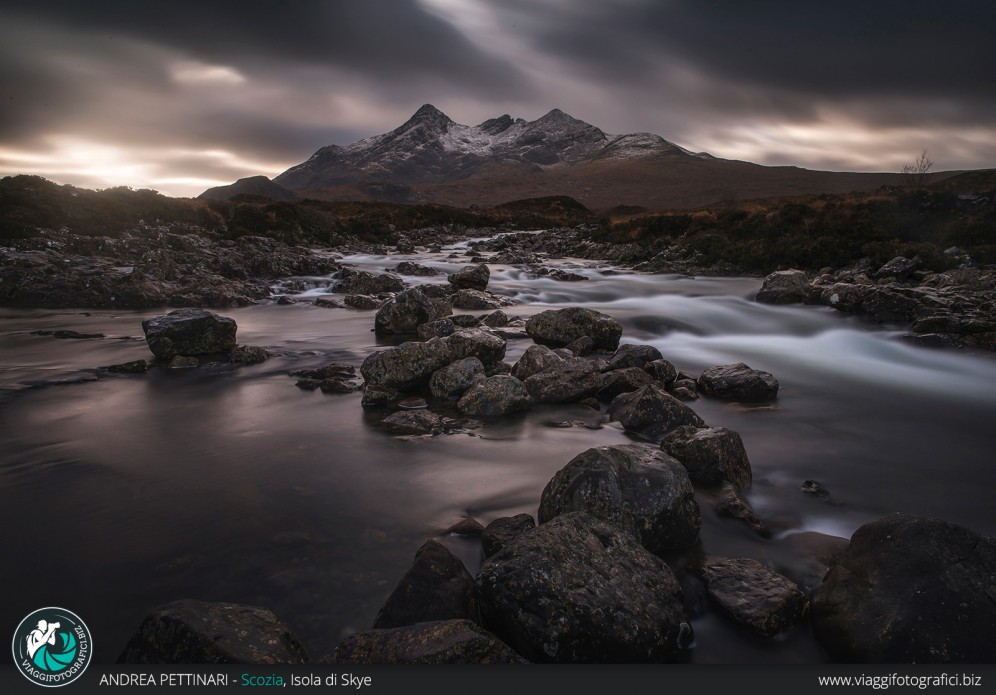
{"type": "Point", "coordinates": [410, 268]}
{"type": "Point", "coordinates": [440, 328]}
{"type": "Point", "coordinates": [189, 332]}
{"type": "Point", "coordinates": [738, 382]}
{"type": "Point", "coordinates": [910, 590]}
{"type": "Point", "coordinates": [503, 531]}
{"type": "Point", "coordinates": [784, 287]}
{"type": "Point", "coordinates": [577, 590]}
{"type": "Point", "coordinates": [730, 503]}
{"type": "Point", "coordinates": [198, 632]}
{"type": "Point", "coordinates": [560, 327]}
{"type": "Point", "coordinates": [405, 313]}
{"type": "Point", "coordinates": [436, 587]}
{"type": "Point", "coordinates": [248, 354]}
{"type": "Point", "coordinates": [710, 455]}
{"type": "Point", "coordinates": [496, 319]}
{"type": "Point", "coordinates": [662, 371]}
{"type": "Point", "coordinates": [495, 396]}
{"type": "Point", "coordinates": [632, 355]}
{"type": "Point", "coordinates": [635, 487]}
{"type": "Point", "coordinates": [567, 381]}
{"type": "Point", "coordinates": [535, 359]}
{"type": "Point", "coordinates": [652, 411]}
{"type": "Point", "coordinates": [899, 267]}
{"type": "Point", "coordinates": [476, 342]}
{"type": "Point", "coordinates": [362, 301]}
{"type": "Point", "coordinates": [362, 282]}
{"type": "Point", "coordinates": [437, 642]}
{"type": "Point", "coordinates": [756, 598]}
{"type": "Point", "coordinates": [407, 365]}
{"type": "Point", "coordinates": [476, 300]}
{"type": "Point", "coordinates": [472, 277]}
{"type": "Point", "coordinates": [412, 422]}
{"type": "Point", "coordinates": [454, 379]}
{"type": "Point", "coordinates": [622, 381]}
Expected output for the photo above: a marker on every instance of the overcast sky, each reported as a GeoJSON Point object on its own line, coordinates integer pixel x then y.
{"type": "Point", "coordinates": [188, 94]}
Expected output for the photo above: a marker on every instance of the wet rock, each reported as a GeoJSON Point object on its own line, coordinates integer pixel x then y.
{"type": "Point", "coordinates": [248, 354]}
{"type": "Point", "coordinates": [410, 268]}
{"type": "Point", "coordinates": [476, 300]}
{"type": "Point", "coordinates": [284, 300]}
{"type": "Point", "coordinates": [899, 268]}
{"type": "Point", "coordinates": [329, 303]}
{"type": "Point", "coordinates": [198, 632]}
{"type": "Point", "coordinates": [465, 320]}
{"type": "Point", "coordinates": [413, 422]}
{"type": "Point", "coordinates": [454, 379]}
{"type": "Point", "coordinates": [738, 382]}
{"type": "Point", "coordinates": [405, 313]}
{"type": "Point", "coordinates": [634, 487]}
{"type": "Point", "coordinates": [362, 301]}
{"type": "Point", "coordinates": [407, 365]}
{"type": "Point", "coordinates": [577, 590]}
{"type": "Point", "coordinates": [333, 370]}
{"type": "Point", "coordinates": [910, 590]}
{"type": "Point", "coordinates": [466, 527]}
{"type": "Point", "coordinates": [362, 282]}
{"type": "Point", "coordinates": [476, 342]}
{"type": "Point", "coordinates": [785, 287]}
{"type": "Point", "coordinates": [559, 327]}
{"type": "Point", "coordinates": [566, 381]}
{"type": "Point", "coordinates": [816, 489]}
{"type": "Point", "coordinates": [436, 587]}
{"type": "Point", "coordinates": [581, 347]}
{"type": "Point", "coordinates": [496, 319]}
{"type": "Point", "coordinates": [652, 412]}
{"type": "Point", "coordinates": [500, 532]}
{"type": "Point", "coordinates": [622, 381]}
{"type": "Point", "coordinates": [133, 367]}
{"type": "Point", "coordinates": [438, 642]}
{"type": "Point", "coordinates": [471, 277]}
{"type": "Point", "coordinates": [495, 368]}
{"type": "Point", "coordinates": [662, 371]}
{"type": "Point", "coordinates": [440, 328]}
{"type": "Point", "coordinates": [333, 385]}
{"type": "Point", "coordinates": [189, 332]}
{"type": "Point", "coordinates": [495, 396]}
{"type": "Point", "coordinates": [535, 359]}
{"type": "Point", "coordinates": [756, 598]}
{"type": "Point", "coordinates": [730, 503]}
{"type": "Point", "coordinates": [710, 454]}
{"type": "Point", "coordinates": [633, 355]}
{"type": "Point", "coordinates": [374, 395]}
{"type": "Point", "coordinates": [183, 362]}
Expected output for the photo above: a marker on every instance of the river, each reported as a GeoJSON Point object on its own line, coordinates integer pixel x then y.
{"type": "Point", "coordinates": [223, 484]}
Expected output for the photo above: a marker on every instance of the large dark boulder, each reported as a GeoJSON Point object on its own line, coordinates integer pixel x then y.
{"type": "Point", "coordinates": [472, 277]}
{"type": "Point", "coordinates": [738, 382]}
{"type": "Point", "coordinates": [910, 590]}
{"type": "Point", "coordinates": [477, 300]}
{"type": "Point", "coordinates": [413, 422]}
{"type": "Point", "coordinates": [578, 590]}
{"type": "Point", "coordinates": [623, 380]}
{"type": "Point", "coordinates": [436, 587]}
{"type": "Point", "coordinates": [560, 327]}
{"type": "Point", "coordinates": [635, 487]}
{"type": "Point", "coordinates": [495, 396]}
{"type": "Point", "coordinates": [710, 454]}
{"type": "Point", "coordinates": [453, 380]}
{"type": "Point", "coordinates": [481, 343]}
{"type": "Point", "coordinates": [503, 531]}
{"type": "Point", "coordinates": [633, 355]}
{"type": "Point", "coordinates": [405, 313]}
{"type": "Point", "coordinates": [784, 287]}
{"type": "Point", "coordinates": [535, 359]}
{"type": "Point", "coordinates": [755, 597]}
{"type": "Point", "coordinates": [566, 381]}
{"type": "Point", "coordinates": [198, 632]}
{"type": "Point", "coordinates": [407, 365]}
{"type": "Point", "coordinates": [652, 411]}
{"type": "Point", "coordinates": [361, 282]}
{"type": "Point", "coordinates": [437, 642]}
{"type": "Point", "coordinates": [189, 332]}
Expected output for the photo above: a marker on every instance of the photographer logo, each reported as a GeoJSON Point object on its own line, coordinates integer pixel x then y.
{"type": "Point", "coordinates": [52, 647]}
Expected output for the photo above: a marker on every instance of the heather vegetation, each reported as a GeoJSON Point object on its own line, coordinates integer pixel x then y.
{"type": "Point", "coordinates": [830, 230]}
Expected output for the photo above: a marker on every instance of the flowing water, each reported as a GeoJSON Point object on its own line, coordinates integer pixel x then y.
{"type": "Point", "coordinates": [223, 484]}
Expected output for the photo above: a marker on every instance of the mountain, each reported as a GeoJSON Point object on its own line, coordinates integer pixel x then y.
{"type": "Point", "coordinates": [432, 159]}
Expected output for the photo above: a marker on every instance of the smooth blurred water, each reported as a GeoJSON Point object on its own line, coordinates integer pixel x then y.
{"type": "Point", "coordinates": [233, 485]}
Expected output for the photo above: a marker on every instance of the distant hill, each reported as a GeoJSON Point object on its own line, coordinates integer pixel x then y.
{"type": "Point", "coordinates": [251, 185]}
{"type": "Point", "coordinates": [432, 159]}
